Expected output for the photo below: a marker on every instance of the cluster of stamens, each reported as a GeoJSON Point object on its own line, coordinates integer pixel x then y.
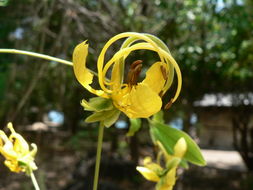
{"type": "Point", "coordinates": [134, 72]}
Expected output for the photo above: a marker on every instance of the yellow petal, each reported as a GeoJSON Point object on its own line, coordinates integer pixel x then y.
{"type": "Point", "coordinates": [140, 102]}
{"type": "Point", "coordinates": [171, 177]}
{"type": "Point", "coordinates": [82, 73]}
{"type": "Point", "coordinates": [13, 165]}
{"type": "Point", "coordinates": [151, 165]}
{"type": "Point", "coordinates": [147, 160]}
{"type": "Point", "coordinates": [7, 147]}
{"type": "Point", "coordinates": [117, 75]}
{"type": "Point", "coordinates": [168, 181]}
{"type": "Point", "coordinates": [7, 151]}
{"type": "Point", "coordinates": [33, 152]}
{"type": "Point", "coordinates": [148, 174]}
{"type": "Point", "coordinates": [180, 148]}
{"type": "Point", "coordinates": [19, 144]}
{"type": "Point", "coordinates": [155, 79]}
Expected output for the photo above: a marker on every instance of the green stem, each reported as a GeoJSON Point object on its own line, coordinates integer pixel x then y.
{"type": "Point", "coordinates": [43, 56]}
{"type": "Point", "coordinates": [35, 184]}
{"type": "Point", "coordinates": [98, 157]}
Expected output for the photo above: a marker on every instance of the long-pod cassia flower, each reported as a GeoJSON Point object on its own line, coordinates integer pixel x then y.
{"type": "Point", "coordinates": [15, 149]}
{"type": "Point", "coordinates": [164, 176]}
{"type": "Point", "coordinates": [135, 99]}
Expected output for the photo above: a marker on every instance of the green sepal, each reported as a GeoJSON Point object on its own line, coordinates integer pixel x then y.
{"type": "Point", "coordinates": [169, 136]}
{"type": "Point", "coordinates": [97, 104]}
{"type": "Point", "coordinates": [184, 164]}
{"type": "Point", "coordinates": [135, 125]}
{"type": "Point", "coordinates": [158, 117]}
{"type": "Point", "coordinates": [22, 164]}
{"type": "Point", "coordinates": [106, 117]}
{"type": "Point", "coordinates": [28, 168]}
{"type": "Point", "coordinates": [172, 163]}
{"type": "Point", "coordinates": [112, 119]}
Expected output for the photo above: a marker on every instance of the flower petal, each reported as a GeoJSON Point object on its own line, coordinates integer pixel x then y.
{"type": "Point", "coordinates": [6, 149]}
{"type": "Point", "coordinates": [117, 56]}
{"type": "Point", "coordinates": [117, 75]}
{"type": "Point", "coordinates": [20, 146]}
{"type": "Point", "coordinates": [148, 174]}
{"type": "Point", "coordinates": [180, 148]}
{"type": "Point", "coordinates": [155, 78]}
{"type": "Point", "coordinates": [82, 73]}
{"type": "Point", "coordinates": [140, 102]}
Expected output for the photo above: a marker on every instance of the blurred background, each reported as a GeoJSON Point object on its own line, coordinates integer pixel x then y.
{"type": "Point", "coordinates": [212, 41]}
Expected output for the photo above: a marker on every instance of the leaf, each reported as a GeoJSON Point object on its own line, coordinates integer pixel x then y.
{"type": "Point", "coordinates": [168, 136]}
{"type": "Point", "coordinates": [135, 125]}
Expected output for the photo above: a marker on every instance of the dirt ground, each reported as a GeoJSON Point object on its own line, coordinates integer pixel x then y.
{"type": "Point", "coordinates": [62, 169]}
{"type": "Point", "coordinates": [222, 159]}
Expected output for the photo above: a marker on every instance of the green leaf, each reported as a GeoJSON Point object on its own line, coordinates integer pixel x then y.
{"type": "Point", "coordinates": [135, 125]}
{"type": "Point", "coordinates": [168, 136]}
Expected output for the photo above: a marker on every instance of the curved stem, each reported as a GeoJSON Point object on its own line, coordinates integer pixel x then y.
{"type": "Point", "coordinates": [98, 157]}
{"type": "Point", "coordinates": [35, 184]}
{"type": "Point", "coordinates": [43, 56]}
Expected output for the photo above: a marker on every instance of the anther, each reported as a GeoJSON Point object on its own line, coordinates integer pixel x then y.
{"type": "Point", "coordinates": [164, 72]}
{"type": "Point", "coordinates": [134, 72]}
{"type": "Point", "coordinates": [161, 93]}
{"type": "Point", "coordinates": [135, 63]}
{"type": "Point", "coordinates": [168, 105]}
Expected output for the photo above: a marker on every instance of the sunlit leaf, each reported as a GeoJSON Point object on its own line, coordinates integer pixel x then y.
{"type": "Point", "coordinates": [168, 136]}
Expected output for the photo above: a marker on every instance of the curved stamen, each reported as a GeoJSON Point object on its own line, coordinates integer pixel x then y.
{"type": "Point", "coordinates": [147, 46]}
{"type": "Point", "coordinates": [100, 62]}
{"type": "Point", "coordinates": [164, 72]}
{"type": "Point", "coordinates": [169, 104]}
{"type": "Point", "coordinates": [125, 52]}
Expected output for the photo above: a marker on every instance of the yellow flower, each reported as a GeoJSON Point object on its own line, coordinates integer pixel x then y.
{"type": "Point", "coordinates": [16, 152]}
{"type": "Point", "coordinates": [151, 170]}
{"type": "Point", "coordinates": [165, 177]}
{"type": "Point", "coordinates": [135, 99]}
{"type": "Point", "coordinates": [168, 181]}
